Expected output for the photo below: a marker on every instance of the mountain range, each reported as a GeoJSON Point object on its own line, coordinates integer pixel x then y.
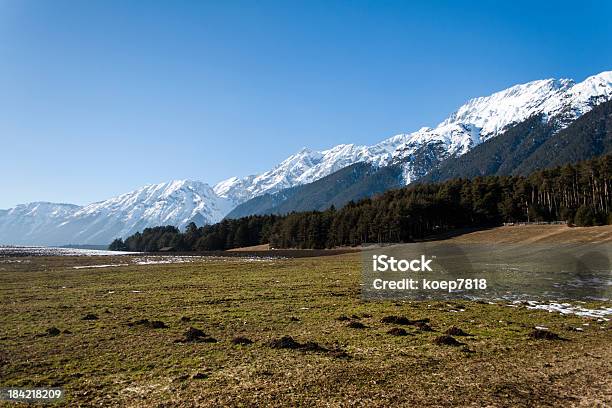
{"type": "Point", "coordinates": [518, 129]}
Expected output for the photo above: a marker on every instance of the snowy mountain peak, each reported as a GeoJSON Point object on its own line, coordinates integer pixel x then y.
{"type": "Point", "coordinates": [595, 84]}
{"type": "Point", "coordinates": [474, 122]}
{"type": "Point", "coordinates": [43, 208]}
{"type": "Point", "coordinates": [492, 114]}
{"type": "Point", "coordinates": [176, 202]}
{"type": "Point", "coordinates": [558, 100]}
{"type": "Point", "coordinates": [580, 98]}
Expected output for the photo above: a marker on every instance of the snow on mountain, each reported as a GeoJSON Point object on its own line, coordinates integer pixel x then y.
{"type": "Point", "coordinates": [173, 203]}
{"type": "Point", "coordinates": [480, 119]}
{"type": "Point", "coordinates": [580, 98]}
{"type": "Point", "coordinates": [492, 114]}
{"type": "Point", "coordinates": [180, 202]}
{"type": "Point", "coordinates": [25, 223]}
{"type": "Point", "coordinates": [303, 167]}
{"type": "Point", "coordinates": [474, 122]}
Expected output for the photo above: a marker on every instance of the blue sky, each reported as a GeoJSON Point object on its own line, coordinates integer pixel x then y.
{"type": "Point", "coordinates": [98, 98]}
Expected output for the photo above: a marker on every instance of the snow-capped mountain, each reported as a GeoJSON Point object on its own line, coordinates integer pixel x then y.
{"type": "Point", "coordinates": [560, 101]}
{"type": "Point", "coordinates": [476, 121]}
{"type": "Point", "coordinates": [26, 223]}
{"type": "Point", "coordinates": [174, 203]}
{"type": "Point", "coordinates": [305, 167]}
{"type": "Point", "coordinates": [179, 202]}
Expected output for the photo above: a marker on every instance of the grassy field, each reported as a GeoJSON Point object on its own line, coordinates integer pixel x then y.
{"type": "Point", "coordinates": [116, 359]}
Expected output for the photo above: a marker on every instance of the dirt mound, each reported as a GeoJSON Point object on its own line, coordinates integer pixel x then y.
{"type": "Point", "coordinates": [338, 353]}
{"type": "Point", "coordinates": [199, 376]}
{"type": "Point", "coordinates": [422, 326]}
{"type": "Point", "coordinates": [447, 340]}
{"type": "Point", "coordinates": [53, 331]}
{"type": "Point", "coordinates": [540, 334]}
{"type": "Point", "coordinates": [151, 324]}
{"type": "Point", "coordinates": [397, 331]}
{"type": "Point", "coordinates": [403, 320]}
{"type": "Point", "coordinates": [241, 340]}
{"type": "Point", "coordinates": [90, 316]}
{"type": "Point", "coordinates": [456, 331]}
{"type": "Point", "coordinates": [396, 320]}
{"type": "Point", "coordinates": [193, 335]}
{"type": "Point", "coordinates": [314, 346]}
{"type": "Point", "coordinates": [287, 342]}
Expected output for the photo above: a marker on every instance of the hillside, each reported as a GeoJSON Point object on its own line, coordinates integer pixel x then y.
{"type": "Point", "coordinates": [352, 183]}
{"type": "Point", "coordinates": [522, 149]}
{"type": "Point", "coordinates": [542, 234]}
{"type": "Point", "coordinates": [577, 194]}
{"type": "Point", "coordinates": [534, 145]}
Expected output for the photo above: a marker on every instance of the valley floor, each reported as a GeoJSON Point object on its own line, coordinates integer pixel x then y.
{"type": "Point", "coordinates": [105, 354]}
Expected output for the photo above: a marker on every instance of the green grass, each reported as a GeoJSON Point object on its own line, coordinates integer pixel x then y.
{"type": "Point", "coordinates": [106, 362]}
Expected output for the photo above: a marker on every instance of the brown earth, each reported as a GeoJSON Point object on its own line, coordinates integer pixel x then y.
{"type": "Point", "coordinates": [538, 234]}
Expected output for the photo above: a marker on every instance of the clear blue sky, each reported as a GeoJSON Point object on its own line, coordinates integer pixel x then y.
{"type": "Point", "coordinates": [98, 98]}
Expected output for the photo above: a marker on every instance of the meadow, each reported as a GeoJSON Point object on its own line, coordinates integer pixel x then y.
{"type": "Point", "coordinates": [246, 331]}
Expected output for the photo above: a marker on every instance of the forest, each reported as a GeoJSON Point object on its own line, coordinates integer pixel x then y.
{"type": "Point", "coordinates": [579, 194]}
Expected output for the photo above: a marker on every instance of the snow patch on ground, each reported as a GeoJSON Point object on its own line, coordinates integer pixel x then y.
{"type": "Point", "coordinates": [178, 259]}
{"type": "Point", "coordinates": [567, 308]}
{"type": "Point", "coordinates": [98, 266]}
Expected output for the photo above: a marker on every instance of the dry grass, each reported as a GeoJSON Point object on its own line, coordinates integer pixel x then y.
{"type": "Point", "coordinates": [262, 247]}
{"type": "Point", "coordinates": [542, 234]}
{"type": "Point", "coordinates": [106, 362]}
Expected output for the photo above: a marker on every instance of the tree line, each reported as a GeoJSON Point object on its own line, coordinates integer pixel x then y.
{"type": "Point", "coordinates": [579, 194]}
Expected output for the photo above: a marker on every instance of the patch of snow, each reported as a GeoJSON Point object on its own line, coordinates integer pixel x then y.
{"type": "Point", "coordinates": [567, 308]}
{"type": "Point", "coordinates": [98, 266]}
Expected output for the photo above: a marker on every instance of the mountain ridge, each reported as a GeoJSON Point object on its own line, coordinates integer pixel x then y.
{"type": "Point", "coordinates": [176, 202]}
{"type": "Point", "coordinates": [558, 102]}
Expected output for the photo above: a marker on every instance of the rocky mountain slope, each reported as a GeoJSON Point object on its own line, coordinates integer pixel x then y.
{"type": "Point", "coordinates": [532, 145]}
{"type": "Point", "coordinates": [354, 182]}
